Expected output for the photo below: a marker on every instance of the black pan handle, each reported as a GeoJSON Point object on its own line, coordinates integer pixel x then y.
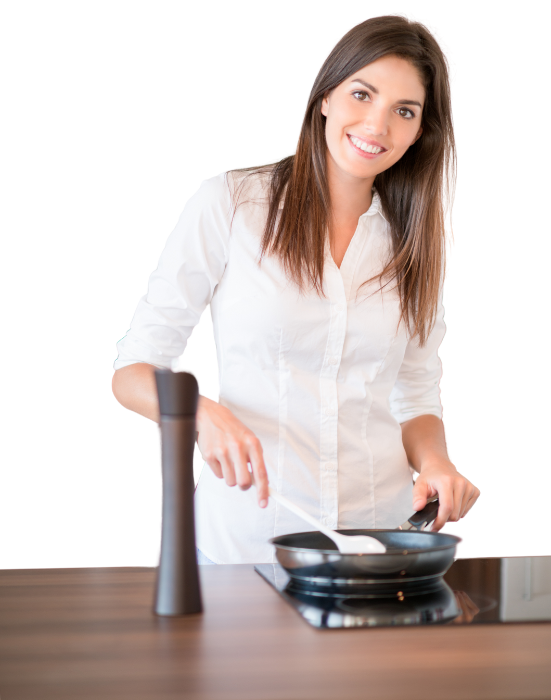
{"type": "Point", "coordinates": [424, 517]}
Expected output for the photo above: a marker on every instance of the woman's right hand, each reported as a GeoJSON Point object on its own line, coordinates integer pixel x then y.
{"type": "Point", "coordinates": [227, 446]}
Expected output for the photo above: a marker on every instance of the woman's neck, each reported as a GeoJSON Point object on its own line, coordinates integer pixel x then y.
{"type": "Point", "coordinates": [350, 196]}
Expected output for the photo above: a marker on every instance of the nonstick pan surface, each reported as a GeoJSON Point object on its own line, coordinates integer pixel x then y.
{"type": "Point", "coordinates": [411, 556]}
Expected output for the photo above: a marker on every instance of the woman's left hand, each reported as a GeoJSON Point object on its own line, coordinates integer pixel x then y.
{"type": "Point", "coordinates": [455, 493]}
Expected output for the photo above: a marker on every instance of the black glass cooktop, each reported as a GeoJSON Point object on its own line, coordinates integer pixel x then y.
{"type": "Point", "coordinates": [506, 590]}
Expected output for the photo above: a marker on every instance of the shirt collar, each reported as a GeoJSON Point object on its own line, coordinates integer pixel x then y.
{"type": "Point", "coordinates": [376, 205]}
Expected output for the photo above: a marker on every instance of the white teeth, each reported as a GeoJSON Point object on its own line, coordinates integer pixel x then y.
{"type": "Point", "coordinates": [364, 146]}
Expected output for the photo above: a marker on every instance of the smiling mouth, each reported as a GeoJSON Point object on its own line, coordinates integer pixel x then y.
{"type": "Point", "coordinates": [365, 147]}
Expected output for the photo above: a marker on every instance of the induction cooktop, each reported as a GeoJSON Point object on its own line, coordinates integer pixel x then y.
{"type": "Point", "coordinates": [473, 591]}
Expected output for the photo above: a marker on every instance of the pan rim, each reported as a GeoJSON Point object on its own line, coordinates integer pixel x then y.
{"type": "Point", "coordinates": [372, 554]}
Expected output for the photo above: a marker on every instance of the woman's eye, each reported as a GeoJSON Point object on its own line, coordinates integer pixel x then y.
{"type": "Point", "coordinates": [408, 113]}
{"type": "Point", "coordinates": [360, 92]}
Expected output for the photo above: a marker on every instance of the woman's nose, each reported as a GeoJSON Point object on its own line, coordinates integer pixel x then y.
{"type": "Point", "coordinates": [376, 122]}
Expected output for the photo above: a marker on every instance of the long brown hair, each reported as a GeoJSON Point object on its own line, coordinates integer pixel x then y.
{"type": "Point", "coordinates": [412, 190]}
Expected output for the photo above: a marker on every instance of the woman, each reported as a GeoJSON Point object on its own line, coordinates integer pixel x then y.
{"type": "Point", "coordinates": [324, 275]}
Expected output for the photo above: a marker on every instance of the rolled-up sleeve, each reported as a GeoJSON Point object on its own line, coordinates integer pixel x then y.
{"type": "Point", "coordinates": [191, 265]}
{"type": "Point", "coordinates": [417, 388]}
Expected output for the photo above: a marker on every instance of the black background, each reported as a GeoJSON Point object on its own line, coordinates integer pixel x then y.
{"type": "Point", "coordinates": [139, 132]}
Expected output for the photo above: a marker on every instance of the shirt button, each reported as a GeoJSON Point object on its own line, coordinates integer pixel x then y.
{"type": "Point", "coordinates": [330, 466]}
{"type": "Point", "coordinates": [332, 360]}
{"type": "Point", "coordinates": [329, 411]}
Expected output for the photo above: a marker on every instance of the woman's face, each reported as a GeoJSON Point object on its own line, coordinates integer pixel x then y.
{"type": "Point", "coordinates": [378, 108]}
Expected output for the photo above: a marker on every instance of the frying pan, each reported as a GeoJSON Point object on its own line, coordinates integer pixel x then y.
{"type": "Point", "coordinates": [412, 556]}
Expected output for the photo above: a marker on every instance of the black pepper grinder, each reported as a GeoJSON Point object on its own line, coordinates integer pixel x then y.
{"type": "Point", "coordinates": [177, 591]}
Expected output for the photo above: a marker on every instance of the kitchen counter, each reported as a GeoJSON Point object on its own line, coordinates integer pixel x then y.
{"type": "Point", "coordinates": [90, 634]}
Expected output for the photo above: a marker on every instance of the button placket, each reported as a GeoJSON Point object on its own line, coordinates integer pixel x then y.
{"type": "Point", "coordinates": [329, 494]}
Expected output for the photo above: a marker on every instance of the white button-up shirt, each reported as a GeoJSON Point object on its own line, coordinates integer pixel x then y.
{"type": "Point", "coordinates": [324, 383]}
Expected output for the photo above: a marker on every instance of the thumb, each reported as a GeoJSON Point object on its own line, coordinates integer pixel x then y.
{"type": "Point", "coordinates": [420, 494]}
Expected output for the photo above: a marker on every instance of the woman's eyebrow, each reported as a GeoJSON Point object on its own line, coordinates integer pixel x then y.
{"type": "Point", "coordinates": [374, 89]}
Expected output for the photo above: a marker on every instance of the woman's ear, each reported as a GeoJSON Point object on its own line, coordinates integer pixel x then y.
{"type": "Point", "coordinates": [325, 104]}
{"type": "Point", "coordinates": [417, 135]}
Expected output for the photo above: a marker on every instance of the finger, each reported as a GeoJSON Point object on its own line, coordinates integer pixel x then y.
{"type": "Point", "coordinates": [238, 456]}
{"type": "Point", "coordinates": [473, 495]}
{"type": "Point", "coordinates": [445, 498]}
{"type": "Point", "coordinates": [242, 473]}
{"type": "Point", "coordinates": [256, 458]}
{"type": "Point", "coordinates": [227, 467]}
{"type": "Point", "coordinates": [216, 467]}
{"type": "Point", "coordinates": [442, 515]}
{"type": "Point", "coordinates": [440, 521]}
{"type": "Point", "coordinates": [467, 495]}
{"type": "Point", "coordinates": [459, 490]}
{"type": "Point", "coordinates": [421, 492]}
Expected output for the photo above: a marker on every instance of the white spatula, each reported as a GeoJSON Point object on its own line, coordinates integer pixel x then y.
{"type": "Point", "coordinates": [347, 544]}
